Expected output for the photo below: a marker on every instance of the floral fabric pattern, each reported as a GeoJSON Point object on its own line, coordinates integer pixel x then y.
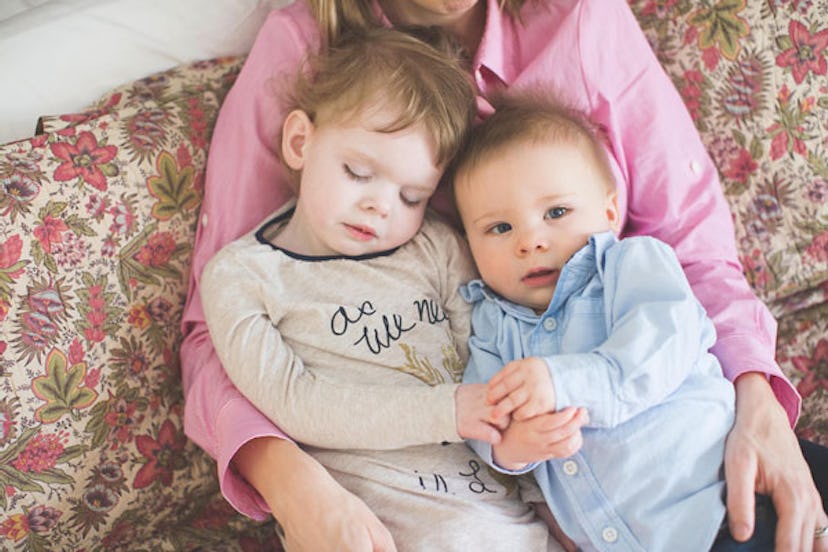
{"type": "Point", "coordinates": [97, 221]}
{"type": "Point", "coordinates": [754, 76]}
{"type": "Point", "coordinates": [98, 216]}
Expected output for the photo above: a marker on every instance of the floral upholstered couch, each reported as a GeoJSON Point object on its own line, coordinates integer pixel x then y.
{"type": "Point", "coordinates": [97, 218]}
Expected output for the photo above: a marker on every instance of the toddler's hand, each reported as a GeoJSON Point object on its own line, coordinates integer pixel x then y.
{"type": "Point", "coordinates": [552, 435]}
{"type": "Point", "coordinates": [474, 414]}
{"type": "Point", "coordinates": [522, 388]}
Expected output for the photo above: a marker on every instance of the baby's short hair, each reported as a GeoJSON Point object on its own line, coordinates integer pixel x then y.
{"type": "Point", "coordinates": [425, 82]}
{"type": "Point", "coordinates": [534, 117]}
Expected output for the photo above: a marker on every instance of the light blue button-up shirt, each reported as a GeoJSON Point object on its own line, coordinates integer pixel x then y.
{"type": "Point", "coordinates": [625, 338]}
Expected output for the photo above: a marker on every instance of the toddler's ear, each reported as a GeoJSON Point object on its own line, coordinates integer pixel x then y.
{"type": "Point", "coordinates": [295, 133]}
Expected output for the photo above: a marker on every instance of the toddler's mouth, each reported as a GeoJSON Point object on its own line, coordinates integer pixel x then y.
{"type": "Point", "coordinates": [361, 233]}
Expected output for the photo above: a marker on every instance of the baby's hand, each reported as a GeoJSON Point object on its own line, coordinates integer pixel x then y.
{"type": "Point", "coordinates": [522, 388]}
{"type": "Point", "coordinates": [474, 414]}
{"type": "Point", "coordinates": [552, 435]}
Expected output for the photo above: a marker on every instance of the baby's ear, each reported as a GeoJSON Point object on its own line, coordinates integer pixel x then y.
{"type": "Point", "coordinates": [613, 216]}
{"type": "Point", "coordinates": [296, 132]}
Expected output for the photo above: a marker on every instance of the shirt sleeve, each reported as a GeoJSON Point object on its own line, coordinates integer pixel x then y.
{"type": "Point", "coordinates": [657, 332]}
{"type": "Point", "coordinates": [485, 362]}
{"type": "Point", "coordinates": [244, 182]}
{"type": "Point", "coordinates": [455, 267]}
{"type": "Point", "coordinates": [313, 409]}
{"type": "Point", "coordinates": [673, 190]}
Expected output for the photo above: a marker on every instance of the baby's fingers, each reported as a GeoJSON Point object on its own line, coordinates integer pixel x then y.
{"type": "Point", "coordinates": [561, 425]}
{"type": "Point", "coordinates": [535, 405]}
{"type": "Point", "coordinates": [504, 383]}
{"type": "Point", "coordinates": [565, 447]}
{"type": "Point", "coordinates": [510, 402]}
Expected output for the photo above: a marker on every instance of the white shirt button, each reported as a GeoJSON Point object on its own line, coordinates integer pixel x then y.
{"type": "Point", "coordinates": [695, 166]}
{"type": "Point", "coordinates": [204, 219]}
{"type": "Point", "coordinates": [570, 467]}
{"type": "Point", "coordinates": [609, 534]}
{"type": "Point", "coordinates": [550, 324]}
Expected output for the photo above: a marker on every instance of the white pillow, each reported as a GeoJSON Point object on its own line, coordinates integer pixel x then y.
{"type": "Point", "coordinates": [58, 56]}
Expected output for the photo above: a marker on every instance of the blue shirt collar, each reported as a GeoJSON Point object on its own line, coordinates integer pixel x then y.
{"type": "Point", "coordinates": [577, 271]}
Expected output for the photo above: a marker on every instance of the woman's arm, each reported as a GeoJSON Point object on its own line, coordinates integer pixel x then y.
{"type": "Point", "coordinates": [673, 193]}
{"type": "Point", "coordinates": [244, 181]}
{"type": "Point", "coordinates": [313, 509]}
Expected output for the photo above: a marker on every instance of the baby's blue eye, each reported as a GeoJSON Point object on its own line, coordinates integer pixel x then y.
{"type": "Point", "coordinates": [556, 212]}
{"type": "Point", "coordinates": [500, 228]}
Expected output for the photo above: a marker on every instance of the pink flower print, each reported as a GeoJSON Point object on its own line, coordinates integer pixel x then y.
{"type": "Point", "coordinates": [92, 378]}
{"type": "Point", "coordinates": [122, 220]}
{"type": "Point", "coordinates": [49, 232]}
{"type": "Point", "coordinates": [163, 455]}
{"type": "Point", "coordinates": [122, 417]}
{"type": "Point", "coordinates": [818, 250]}
{"type": "Point", "coordinates": [96, 206]}
{"type": "Point", "coordinates": [755, 269]}
{"type": "Point", "coordinates": [71, 252]}
{"type": "Point", "coordinates": [10, 254]}
{"type": "Point", "coordinates": [41, 453]}
{"type": "Point", "coordinates": [711, 57]}
{"type": "Point", "coordinates": [815, 369]}
{"type": "Point", "coordinates": [691, 92]}
{"type": "Point", "coordinates": [76, 352]}
{"type": "Point", "coordinates": [84, 159]}
{"type": "Point", "coordinates": [806, 54]}
{"type": "Point", "coordinates": [96, 315]}
{"type": "Point", "coordinates": [158, 250]}
{"type": "Point", "coordinates": [740, 168]}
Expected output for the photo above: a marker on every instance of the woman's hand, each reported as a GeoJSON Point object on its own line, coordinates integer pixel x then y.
{"type": "Point", "coordinates": [762, 455]}
{"type": "Point", "coordinates": [315, 512]}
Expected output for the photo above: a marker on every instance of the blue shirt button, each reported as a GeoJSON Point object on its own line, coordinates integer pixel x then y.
{"type": "Point", "coordinates": [570, 467]}
{"type": "Point", "coordinates": [550, 324]}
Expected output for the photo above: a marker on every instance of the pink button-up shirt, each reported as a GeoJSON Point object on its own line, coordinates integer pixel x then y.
{"type": "Point", "coordinates": [593, 53]}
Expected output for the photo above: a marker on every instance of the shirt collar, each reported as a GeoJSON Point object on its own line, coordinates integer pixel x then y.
{"type": "Point", "coordinates": [497, 45]}
{"type": "Point", "coordinates": [577, 271]}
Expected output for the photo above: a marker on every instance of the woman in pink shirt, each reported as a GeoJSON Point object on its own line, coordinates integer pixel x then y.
{"type": "Point", "coordinates": [593, 53]}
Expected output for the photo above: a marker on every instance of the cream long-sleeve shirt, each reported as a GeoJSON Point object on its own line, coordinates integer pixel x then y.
{"type": "Point", "coordinates": [303, 337]}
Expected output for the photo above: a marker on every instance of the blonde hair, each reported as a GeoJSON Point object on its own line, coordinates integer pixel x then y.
{"type": "Point", "coordinates": [381, 67]}
{"type": "Point", "coordinates": [335, 17]}
{"type": "Point", "coordinates": [534, 117]}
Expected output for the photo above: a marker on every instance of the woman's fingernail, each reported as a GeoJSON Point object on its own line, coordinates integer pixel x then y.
{"type": "Point", "coordinates": [741, 531]}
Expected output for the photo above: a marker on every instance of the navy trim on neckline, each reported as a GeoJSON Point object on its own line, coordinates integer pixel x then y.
{"type": "Point", "coordinates": [311, 258]}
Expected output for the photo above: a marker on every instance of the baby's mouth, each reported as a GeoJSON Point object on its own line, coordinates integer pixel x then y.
{"type": "Point", "coordinates": [540, 277]}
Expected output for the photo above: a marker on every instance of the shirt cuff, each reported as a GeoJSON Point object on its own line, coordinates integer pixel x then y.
{"type": "Point", "coordinates": [739, 355]}
{"type": "Point", "coordinates": [238, 423]}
